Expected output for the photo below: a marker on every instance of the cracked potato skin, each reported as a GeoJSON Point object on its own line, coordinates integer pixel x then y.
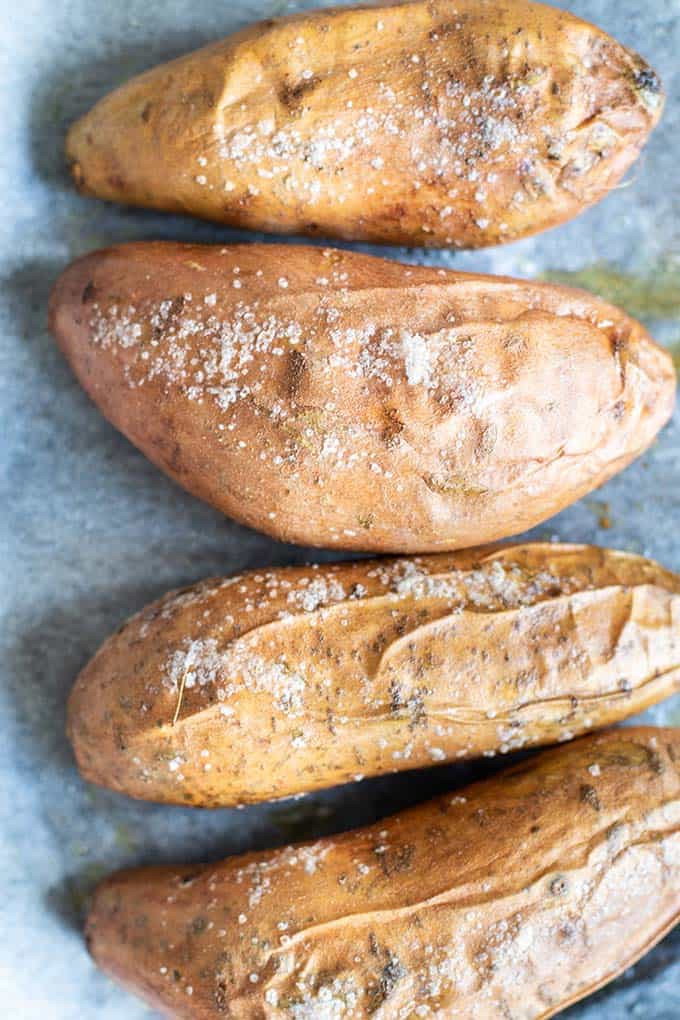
{"type": "Point", "coordinates": [335, 399]}
{"type": "Point", "coordinates": [425, 123]}
{"type": "Point", "coordinates": [513, 897]}
{"type": "Point", "coordinates": [288, 680]}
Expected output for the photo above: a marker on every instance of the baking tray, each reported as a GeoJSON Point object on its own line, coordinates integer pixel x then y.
{"type": "Point", "coordinates": [91, 531]}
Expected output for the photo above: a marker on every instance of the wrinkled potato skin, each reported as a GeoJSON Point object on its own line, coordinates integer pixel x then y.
{"type": "Point", "coordinates": [433, 123]}
{"type": "Point", "coordinates": [299, 678]}
{"type": "Point", "coordinates": [515, 898]}
{"type": "Point", "coordinates": [334, 399]}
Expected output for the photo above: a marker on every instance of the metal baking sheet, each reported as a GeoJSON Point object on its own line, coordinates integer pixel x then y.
{"type": "Point", "coordinates": [91, 531]}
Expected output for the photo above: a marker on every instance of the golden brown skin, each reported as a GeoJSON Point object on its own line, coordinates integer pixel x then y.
{"type": "Point", "coordinates": [514, 898]}
{"type": "Point", "coordinates": [426, 123]}
{"type": "Point", "coordinates": [288, 680]}
{"type": "Point", "coordinates": [334, 399]}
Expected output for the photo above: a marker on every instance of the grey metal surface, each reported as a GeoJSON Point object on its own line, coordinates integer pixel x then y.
{"type": "Point", "coordinates": [90, 531]}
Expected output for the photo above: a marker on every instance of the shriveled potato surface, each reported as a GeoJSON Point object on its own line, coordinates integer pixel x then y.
{"type": "Point", "coordinates": [335, 399]}
{"type": "Point", "coordinates": [287, 680]}
{"type": "Point", "coordinates": [462, 123]}
{"type": "Point", "coordinates": [512, 898]}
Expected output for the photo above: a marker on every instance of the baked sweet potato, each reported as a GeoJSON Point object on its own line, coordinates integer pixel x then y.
{"type": "Point", "coordinates": [427, 123]}
{"type": "Point", "coordinates": [514, 898]}
{"type": "Point", "coordinates": [288, 680]}
{"type": "Point", "coordinates": [334, 399]}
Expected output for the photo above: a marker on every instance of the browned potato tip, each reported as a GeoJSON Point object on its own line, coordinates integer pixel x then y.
{"type": "Point", "coordinates": [288, 680]}
{"type": "Point", "coordinates": [513, 898]}
{"type": "Point", "coordinates": [427, 123]}
{"type": "Point", "coordinates": [334, 399]}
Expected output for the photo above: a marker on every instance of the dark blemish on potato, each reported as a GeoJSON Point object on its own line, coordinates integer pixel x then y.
{"type": "Point", "coordinates": [297, 366]}
{"type": "Point", "coordinates": [220, 996]}
{"type": "Point", "coordinates": [390, 976]}
{"type": "Point", "coordinates": [146, 113]}
{"type": "Point", "coordinates": [648, 84]}
{"type": "Point", "coordinates": [588, 795]}
{"type": "Point", "coordinates": [392, 427]}
{"type": "Point", "coordinates": [514, 342]}
{"type": "Point", "coordinates": [200, 97]}
{"type": "Point", "coordinates": [559, 886]}
{"type": "Point", "coordinates": [187, 880]}
{"type": "Point", "coordinates": [396, 860]}
{"type": "Point", "coordinates": [416, 706]}
{"type": "Point", "coordinates": [398, 211]}
{"type": "Point", "coordinates": [174, 311]}
{"type": "Point", "coordinates": [290, 95]}
{"type": "Point", "coordinates": [89, 292]}
{"type": "Point", "coordinates": [396, 703]}
{"type": "Point", "coordinates": [447, 28]}
{"type": "Point", "coordinates": [654, 761]}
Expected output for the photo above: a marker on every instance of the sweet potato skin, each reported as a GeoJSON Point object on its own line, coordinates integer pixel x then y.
{"type": "Point", "coordinates": [513, 898]}
{"type": "Point", "coordinates": [288, 680]}
{"type": "Point", "coordinates": [423, 123]}
{"type": "Point", "coordinates": [334, 399]}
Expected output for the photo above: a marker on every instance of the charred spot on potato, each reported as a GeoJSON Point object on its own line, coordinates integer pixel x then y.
{"type": "Point", "coordinates": [187, 880]}
{"type": "Point", "coordinates": [220, 996]}
{"type": "Point", "coordinates": [588, 795]}
{"type": "Point", "coordinates": [390, 976]}
{"type": "Point", "coordinates": [648, 86]}
{"type": "Point", "coordinates": [89, 292]}
{"type": "Point", "coordinates": [297, 366]}
{"type": "Point", "coordinates": [396, 860]}
{"type": "Point", "coordinates": [392, 428]}
{"type": "Point", "coordinates": [396, 704]}
{"type": "Point", "coordinates": [654, 761]}
{"type": "Point", "coordinates": [416, 705]}
{"type": "Point", "coordinates": [291, 95]}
